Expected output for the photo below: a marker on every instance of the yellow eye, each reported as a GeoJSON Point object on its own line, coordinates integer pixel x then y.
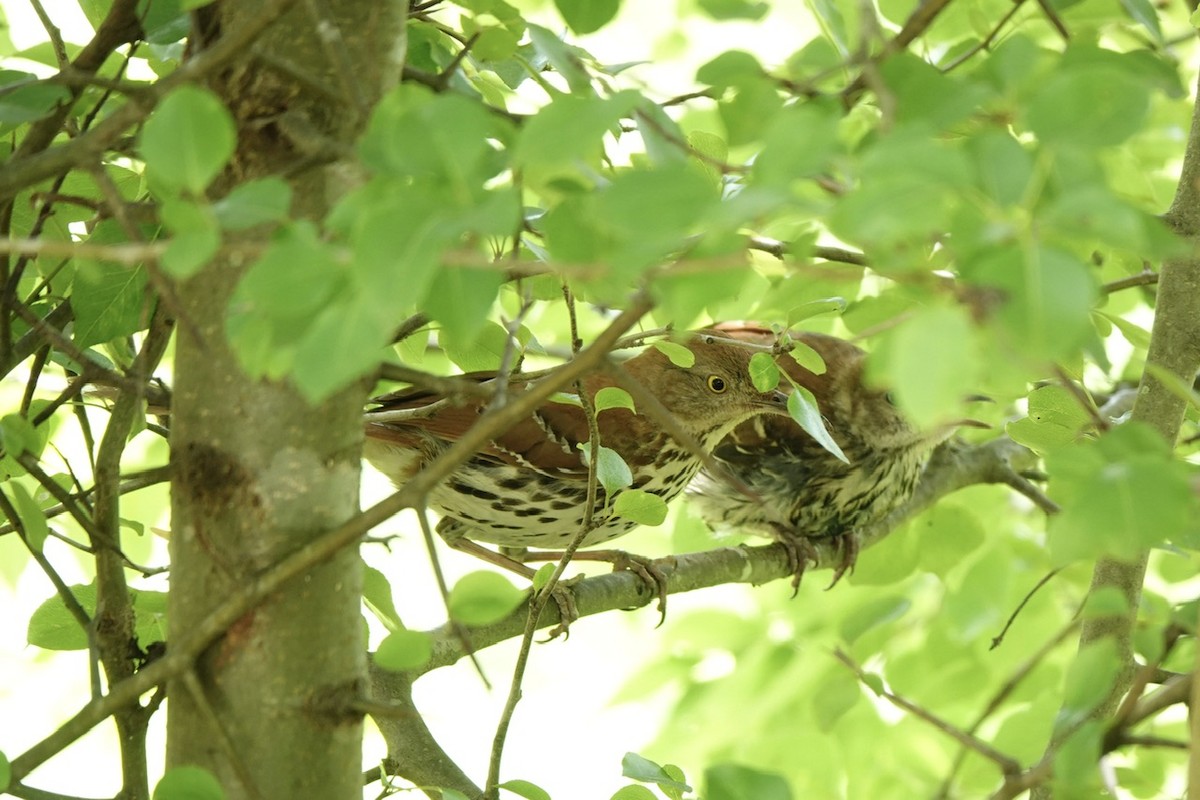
{"type": "Point", "coordinates": [717, 384]}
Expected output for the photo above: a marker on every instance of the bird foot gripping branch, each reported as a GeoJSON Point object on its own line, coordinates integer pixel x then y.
{"type": "Point", "coordinates": [527, 486]}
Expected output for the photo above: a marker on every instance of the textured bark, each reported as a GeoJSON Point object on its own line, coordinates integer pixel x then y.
{"type": "Point", "coordinates": [258, 472]}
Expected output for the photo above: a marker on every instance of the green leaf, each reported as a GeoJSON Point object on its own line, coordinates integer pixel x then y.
{"type": "Point", "coordinates": [587, 16]}
{"type": "Point", "coordinates": [377, 594]}
{"type": "Point", "coordinates": [253, 203]}
{"type": "Point", "coordinates": [737, 782]}
{"type": "Point", "coordinates": [764, 372]}
{"type": "Point", "coordinates": [26, 98]}
{"type": "Point", "coordinates": [481, 598]}
{"type": "Point", "coordinates": [807, 356]}
{"type": "Point", "coordinates": [612, 397]}
{"type": "Point", "coordinates": [1089, 680]}
{"type": "Point", "coordinates": [1047, 299]}
{"type": "Point", "coordinates": [32, 517]}
{"type": "Point", "coordinates": [5, 772]}
{"type": "Point", "coordinates": [569, 132]}
{"type": "Point", "coordinates": [678, 355]}
{"type": "Point", "coordinates": [709, 148]}
{"type": "Point", "coordinates": [871, 614]}
{"type": "Point", "coordinates": [781, 162]}
{"type": "Point", "coordinates": [749, 113]}
{"type": "Point", "coordinates": [108, 301]}
{"type": "Point", "coordinates": [460, 298]}
{"type": "Point", "coordinates": [1120, 494]}
{"type": "Point", "coordinates": [731, 68]}
{"type": "Point", "coordinates": [1136, 335]}
{"type": "Point", "coordinates": [188, 140]}
{"type": "Point", "coordinates": [1055, 418]}
{"type": "Point", "coordinates": [802, 407]}
{"type": "Point", "coordinates": [930, 390]}
{"type": "Point", "coordinates": [1093, 105]}
{"type": "Point", "coordinates": [17, 436]}
{"type": "Point", "coordinates": [611, 470]}
{"type": "Point", "coordinates": [542, 577]}
{"type": "Point", "coordinates": [564, 58]}
{"type": "Point", "coordinates": [404, 650]}
{"type": "Point", "coordinates": [641, 507]}
{"type": "Point", "coordinates": [633, 792]}
{"type": "Point", "coordinates": [195, 236]}
{"type": "Point", "coordinates": [734, 9]}
{"type": "Point", "coordinates": [150, 616]}
{"type": "Point", "coordinates": [51, 626]}
{"type": "Point", "coordinates": [643, 769]}
{"type": "Point", "coordinates": [839, 693]}
{"type": "Point", "coordinates": [526, 789]}
{"type": "Point", "coordinates": [188, 783]}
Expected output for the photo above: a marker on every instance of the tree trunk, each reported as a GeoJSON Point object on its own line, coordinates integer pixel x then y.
{"type": "Point", "coordinates": [258, 472]}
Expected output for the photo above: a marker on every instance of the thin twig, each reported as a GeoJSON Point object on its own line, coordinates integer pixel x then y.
{"type": "Point", "coordinates": [541, 597]}
{"type": "Point", "coordinates": [1008, 766]}
{"type": "Point", "coordinates": [998, 639]}
{"type": "Point", "coordinates": [439, 575]}
{"type": "Point", "coordinates": [1002, 695]}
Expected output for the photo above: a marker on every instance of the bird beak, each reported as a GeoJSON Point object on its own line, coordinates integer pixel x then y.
{"type": "Point", "coordinates": [776, 402]}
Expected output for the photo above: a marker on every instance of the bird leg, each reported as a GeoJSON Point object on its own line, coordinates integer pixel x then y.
{"type": "Point", "coordinates": [643, 567]}
{"type": "Point", "coordinates": [563, 597]}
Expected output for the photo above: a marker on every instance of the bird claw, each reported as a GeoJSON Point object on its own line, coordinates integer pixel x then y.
{"type": "Point", "coordinates": [800, 550]}
{"type": "Point", "coordinates": [568, 611]}
{"type": "Point", "coordinates": [651, 575]}
{"type": "Point", "coordinates": [849, 544]}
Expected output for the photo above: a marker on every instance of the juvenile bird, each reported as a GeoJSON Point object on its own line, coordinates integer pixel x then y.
{"type": "Point", "coordinates": [806, 492]}
{"type": "Point", "coordinates": [528, 485]}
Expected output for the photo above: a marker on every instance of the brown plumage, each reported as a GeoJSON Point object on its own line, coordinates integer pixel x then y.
{"type": "Point", "coordinates": [528, 486]}
{"type": "Point", "coordinates": [806, 492]}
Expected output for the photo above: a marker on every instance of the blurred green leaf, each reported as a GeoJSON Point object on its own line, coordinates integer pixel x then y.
{"type": "Point", "coordinates": [525, 789]}
{"type": "Point", "coordinates": [737, 782]}
{"type": "Point", "coordinates": [377, 594]}
{"type": "Point", "coordinates": [253, 203]}
{"type": "Point", "coordinates": [188, 783]}
{"type": "Point", "coordinates": [587, 16]}
{"type": "Point", "coordinates": [633, 792]}
{"type": "Point", "coordinates": [25, 98]}
{"type": "Point", "coordinates": [643, 769]}
{"type": "Point", "coordinates": [51, 626]}
{"type": "Point", "coordinates": [403, 650]}
{"type": "Point", "coordinates": [734, 9]}
{"type": "Point", "coordinates": [33, 519]}
{"type": "Point", "coordinates": [481, 598]}
{"type": "Point", "coordinates": [641, 507]}
{"type": "Point", "coordinates": [188, 140]}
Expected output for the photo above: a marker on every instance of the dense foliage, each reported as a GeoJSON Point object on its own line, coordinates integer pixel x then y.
{"type": "Point", "coordinates": [983, 193]}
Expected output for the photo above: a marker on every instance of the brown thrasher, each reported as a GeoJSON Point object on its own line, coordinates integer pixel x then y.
{"type": "Point", "coordinates": [528, 486]}
{"type": "Point", "coordinates": [806, 492]}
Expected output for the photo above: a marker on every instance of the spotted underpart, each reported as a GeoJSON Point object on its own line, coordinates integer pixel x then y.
{"type": "Point", "coordinates": [520, 507]}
